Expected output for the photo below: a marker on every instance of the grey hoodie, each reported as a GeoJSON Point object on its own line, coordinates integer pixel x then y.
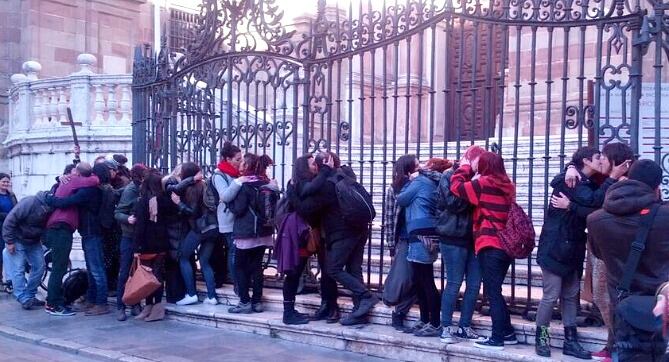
{"type": "Point", "coordinates": [26, 222]}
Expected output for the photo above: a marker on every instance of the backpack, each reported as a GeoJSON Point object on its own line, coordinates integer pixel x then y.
{"type": "Point", "coordinates": [75, 285]}
{"type": "Point", "coordinates": [210, 197]}
{"type": "Point", "coordinates": [107, 206]}
{"type": "Point", "coordinates": [265, 205]}
{"type": "Point", "coordinates": [355, 202]}
{"type": "Point", "coordinates": [518, 235]}
{"type": "Point", "coordinates": [282, 210]}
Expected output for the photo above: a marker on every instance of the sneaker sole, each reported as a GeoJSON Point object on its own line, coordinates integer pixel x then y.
{"type": "Point", "coordinates": [449, 340]}
{"type": "Point", "coordinates": [59, 314]}
{"type": "Point", "coordinates": [496, 348]}
{"type": "Point", "coordinates": [510, 343]}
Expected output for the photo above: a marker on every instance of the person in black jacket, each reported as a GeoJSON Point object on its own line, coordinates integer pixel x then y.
{"type": "Point", "coordinates": [150, 238]}
{"type": "Point", "coordinates": [251, 233]}
{"type": "Point", "coordinates": [7, 202]}
{"type": "Point", "coordinates": [345, 244]}
{"type": "Point", "coordinates": [90, 201]}
{"type": "Point", "coordinates": [455, 228]}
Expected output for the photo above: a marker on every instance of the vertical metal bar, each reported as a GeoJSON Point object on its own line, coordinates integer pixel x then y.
{"type": "Point", "coordinates": [635, 80]}
{"type": "Point", "coordinates": [459, 107]}
{"type": "Point", "coordinates": [530, 157]}
{"type": "Point", "coordinates": [514, 159]}
{"type": "Point", "coordinates": [419, 94]}
{"type": "Point", "coordinates": [384, 162]}
{"type": "Point", "coordinates": [598, 85]}
{"type": "Point", "coordinates": [581, 86]}
{"type": "Point", "coordinates": [448, 117]}
{"type": "Point", "coordinates": [372, 118]}
{"type": "Point", "coordinates": [432, 91]}
{"type": "Point", "coordinates": [657, 147]}
{"type": "Point", "coordinates": [229, 105]}
{"type": "Point", "coordinates": [396, 62]}
{"type": "Point", "coordinates": [306, 88]}
{"type": "Point", "coordinates": [338, 102]}
{"type": "Point", "coordinates": [487, 98]}
{"type": "Point", "coordinates": [549, 88]}
{"type": "Point", "coordinates": [407, 97]}
{"type": "Point", "coordinates": [474, 85]}
{"type": "Point", "coordinates": [565, 83]}
{"type": "Point", "coordinates": [502, 83]}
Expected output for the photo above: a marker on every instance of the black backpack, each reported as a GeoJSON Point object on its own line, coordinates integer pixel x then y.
{"type": "Point", "coordinates": [75, 285]}
{"type": "Point", "coordinates": [354, 201]}
{"type": "Point", "coordinates": [265, 205]}
{"type": "Point", "coordinates": [210, 197]}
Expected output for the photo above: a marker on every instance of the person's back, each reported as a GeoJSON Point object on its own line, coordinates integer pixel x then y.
{"type": "Point", "coordinates": [26, 222]}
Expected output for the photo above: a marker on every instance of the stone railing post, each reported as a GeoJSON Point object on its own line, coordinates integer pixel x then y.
{"type": "Point", "coordinates": [80, 99]}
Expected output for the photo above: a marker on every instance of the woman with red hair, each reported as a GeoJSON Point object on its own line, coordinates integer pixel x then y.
{"type": "Point", "coordinates": [491, 195]}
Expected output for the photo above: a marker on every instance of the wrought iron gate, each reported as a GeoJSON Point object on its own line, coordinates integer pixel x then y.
{"type": "Point", "coordinates": [373, 81]}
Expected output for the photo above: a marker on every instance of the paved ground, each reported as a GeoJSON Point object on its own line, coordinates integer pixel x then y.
{"type": "Point", "coordinates": [167, 341]}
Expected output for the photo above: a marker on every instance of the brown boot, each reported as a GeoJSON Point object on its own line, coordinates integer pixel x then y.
{"type": "Point", "coordinates": [98, 309]}
{"type": "Point", "coordinates": [157, 313]}
{"type": "Point", "coordinates": [145, 312]}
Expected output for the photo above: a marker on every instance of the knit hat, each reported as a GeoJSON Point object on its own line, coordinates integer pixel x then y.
{"type": "Point", "coordinates": [111, 164]}
{"type": "Point", "coordinates": [646, 171]}
{"type": "Point", "coordinates": [122, 160]}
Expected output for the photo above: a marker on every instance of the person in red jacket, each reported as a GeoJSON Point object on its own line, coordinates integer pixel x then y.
{"type": "Point", "coordinates": [491, 193]}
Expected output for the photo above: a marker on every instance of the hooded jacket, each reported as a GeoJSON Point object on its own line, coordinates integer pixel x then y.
{"type": "Point", "coordinates": [227, 189]}
{"type": "Point", "coordinates": [26, 222]}
{"type": "Point", "coordinates": [491, 198]}
{"type": "Point", "coordinates": [418, 198]}
{"type": "Point", "coordinates": [70, 215]}
{"type": "Point", "coordinates": [563, 238]}
{"type": "Point", "coordinates": [125, 208]}
{"type": "Point", "coordinates": [247, 223]}
{"type": "Point", "coordinates": [88, 200]}
{"type": "Point", "coordinates": [454, 223]}
{"type": "Point", "coordinates": [613, 229]}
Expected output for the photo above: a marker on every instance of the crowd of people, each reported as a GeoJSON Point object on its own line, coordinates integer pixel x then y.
{"type": "Point", "coordinates": [456, 209]}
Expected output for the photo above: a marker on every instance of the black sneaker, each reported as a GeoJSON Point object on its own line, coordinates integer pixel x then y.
{"type": "Point", "coordinates": [490, 344]}
{"type": "Point", "coordinates": [38, 303]}
{"type": "Point", "coordinates": [27, 305]}
{"type": "Point", "coordinates": [510, 339]}
{"type": "Point", "coordinates": [350, 320]}
{"type": "Point", "coordinates": [59, 311]}
{"type": "Point", "coordinates": [467, 333]}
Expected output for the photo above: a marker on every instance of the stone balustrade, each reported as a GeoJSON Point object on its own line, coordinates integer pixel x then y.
{"type": "Point", "coordinates": [39, 141]}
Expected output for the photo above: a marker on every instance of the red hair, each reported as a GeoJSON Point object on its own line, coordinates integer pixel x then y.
{"type": "Point", "coordinates": [439, 164]}
{"type": "Point", "coordinates": [492, 164]}
{"type": "Point", "coordinates": [473, 152]}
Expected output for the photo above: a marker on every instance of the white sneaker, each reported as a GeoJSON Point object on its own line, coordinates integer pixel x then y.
{"type": "Point", "coordinates": [447, 335]}
{"type": "Point", "coordinates": [188, 300]}
{"type": "Point", "coordinates": [212, 301]}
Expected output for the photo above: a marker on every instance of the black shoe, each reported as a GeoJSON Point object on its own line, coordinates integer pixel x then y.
{"type": "Point", "coordinates": [27, 305]}
{"type": "Point", "coordinates": [413, 329]}
{"type": "Point", "coordinates": [322, 312]}
{"type": "Point", "coordinates": [572, 347]}
{"type": "Point", "coordinates": [59, 311]}
{"type": "Point", "coordinates": [38, 303]}
{"type": "Point", "coordinates": [542, 344]}
{"type": "Point", "coordinates": [510, 339]}
{"type": "Point", "coordinates": [398, 321]}
{"type": "Point", "coordinates": [291, 317]}
{"type": "Point", "coordinates": [334, 316]}
{"type": "Point", "coordinates": [350, 320]}
{"type": "Point", "coordinates": [366, 304]}
{"type": "Point", "coordinates": [490, 344]}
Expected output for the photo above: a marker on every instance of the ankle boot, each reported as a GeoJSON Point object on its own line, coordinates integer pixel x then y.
{"type": "Point", "coordinates": [542, 344]}
{"type": "Point", "coordinates": [334, 315]}
{"type": "Point", "coordinates": [145, 312]}
{"type": "Point", "coordinates": [290, 315]}
{"type": "Point", "coordinates": [157, 313]}
{"type": "Point", "coordinates": [322, 312]}
{"type": "Point", "coordinates": [572, 347]}
{"type": "Point", "coordinates": [398, 321]}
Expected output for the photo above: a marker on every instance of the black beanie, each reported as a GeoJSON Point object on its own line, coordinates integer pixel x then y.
{"type": "Point", "coordinates": [122, 160]}
{"type": "Point", "coordinates": [646, 171]}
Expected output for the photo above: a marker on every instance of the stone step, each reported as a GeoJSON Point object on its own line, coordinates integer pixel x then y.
{"type": "Point", "coordinates": [375, 339]}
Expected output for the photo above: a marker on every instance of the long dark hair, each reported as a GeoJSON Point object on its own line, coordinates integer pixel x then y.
{"type": "Point", "coordinates": [404, 166]}
{"type": "Point", "coordinates": [301, 171]}
{"type": "Point", "coordinates": [102, 172]}
{"type": "Point", "coordinates": [229, 150]}
{"type": "Point", "coordinates": [257, 165]}
{"type": "Point", "coordinates": [189, 169]}
{"type": "Point", "coordinates": [152, 184]}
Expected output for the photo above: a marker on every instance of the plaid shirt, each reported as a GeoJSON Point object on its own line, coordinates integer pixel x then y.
{"type": "Point", "coordinates": [392, 212]}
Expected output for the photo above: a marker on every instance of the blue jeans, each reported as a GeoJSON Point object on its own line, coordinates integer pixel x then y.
{"type": "Point", "coordinates": [204, 254]}
{"type": "Point", "coordinates": [186, 251]}
{"type": "Point", "coordinates": [25, 290]}
{"type": "Point", "coordinates": [494, 266]}
{"type": "Point", "coordinates": [459, 262]}
{"type": "Point", "coordinates": [232, 250]}
{"type": "Point", "coordinates": [127, 255]}
{"type": "Point", "coordinates": [95, 264]}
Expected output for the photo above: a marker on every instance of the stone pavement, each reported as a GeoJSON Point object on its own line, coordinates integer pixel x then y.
{"type": "Point", "coordinates": [104, 338]}
{"type": "Point", "coordinates": [18, 351]}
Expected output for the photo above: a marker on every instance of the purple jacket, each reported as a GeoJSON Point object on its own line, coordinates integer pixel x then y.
{"type": "Point", "coordinates": [70, 215]}
{"type": "Point", "coordinates": [292, 232]}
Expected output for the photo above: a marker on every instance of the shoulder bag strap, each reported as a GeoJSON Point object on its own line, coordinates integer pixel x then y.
{"type": "Point", "coordinates": [638, 245]}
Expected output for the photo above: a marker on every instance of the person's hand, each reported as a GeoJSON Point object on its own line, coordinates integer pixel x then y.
{"type": "Point", "coordinates": [619, 170]}
{"type": "Point", "coordinates": [475, 164]}
{"type": "Point", "coordinates": [64, 179]}
{"type": "Point", "coordinates": [330, 162]}
{"type": "Point", "coordinates": [132, 219]}
{"type": "Point", "coordinates": [243, 179]}
{"type": "Point", "coordinates": [198, 177]}
{"type": "Point", "coordinates": [175, 198]}
{"type": "Point", "coordinates": [662, 296]}
{"type": "Point", "coordinates": [413, 175]}
{"type": "Point", "coordinates": [572, 177]}
{"type": "Point", "coordinates": [560, 202]}
{"type": "Point", "coordinates": [11, 248]}
{"type": "Point", "coordinates": [77, 150]}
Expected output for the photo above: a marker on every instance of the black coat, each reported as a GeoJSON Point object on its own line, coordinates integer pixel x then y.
{"type": "Point", "coordinates": [455, 216]}
{"type": "Point", "coordinates": [88, 200]}
{"type": "Point", "coordinates": [151, 237]}
{"type": "Point", "coordinates": [247, 224]}
{"type": "Point", "coordinates": [563, 236]}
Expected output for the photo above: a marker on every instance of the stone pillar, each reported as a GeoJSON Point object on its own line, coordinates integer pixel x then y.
{"type": "Point", "coordinates": [80, 102]}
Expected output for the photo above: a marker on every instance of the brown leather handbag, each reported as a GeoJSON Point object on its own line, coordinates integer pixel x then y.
{"type": "Point", "coordinates": [141, 283]}
{"type": "Point", "coordinates": [313, 241]}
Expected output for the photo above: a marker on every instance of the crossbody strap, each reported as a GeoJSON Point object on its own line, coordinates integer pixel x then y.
{"type": "Point", "coordinates": [638, 245]}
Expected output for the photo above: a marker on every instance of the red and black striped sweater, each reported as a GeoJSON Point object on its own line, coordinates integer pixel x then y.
{"type": "Point", "coordinates": [491, 197]}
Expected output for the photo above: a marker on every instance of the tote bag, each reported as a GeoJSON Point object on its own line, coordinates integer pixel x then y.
{"type": "Point", "coordinates": [141, 284]}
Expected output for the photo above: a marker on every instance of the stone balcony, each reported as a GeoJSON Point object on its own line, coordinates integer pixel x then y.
{"type": "Point", "coordinates": [39, 142]}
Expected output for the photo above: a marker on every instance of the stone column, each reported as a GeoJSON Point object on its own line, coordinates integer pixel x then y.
{"type": "Point", "coordinates": [80, 93]}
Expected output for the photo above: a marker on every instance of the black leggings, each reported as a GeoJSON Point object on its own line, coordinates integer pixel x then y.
{"type": "Point", "coordinates": [427, 293]}
{"type": "Point", "coordinates": [248, 266]}
{"type": "Point", "coordinates": [292, 281]}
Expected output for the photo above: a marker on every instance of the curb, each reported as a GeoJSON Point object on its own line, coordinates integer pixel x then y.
{"type": "Point", "coordinates": [69, 346]}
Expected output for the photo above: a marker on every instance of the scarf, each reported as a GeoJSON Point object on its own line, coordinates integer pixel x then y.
{"type": "Point", "coordinates": [227, 168]}
{"type": "Point", "coordinates": [153, 209]}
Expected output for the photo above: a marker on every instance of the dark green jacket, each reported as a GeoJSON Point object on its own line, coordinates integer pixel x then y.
{"type": "Point", "coordinates": [125, 208]}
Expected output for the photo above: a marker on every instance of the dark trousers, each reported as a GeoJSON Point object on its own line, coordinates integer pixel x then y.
{"type": "Point", "coordinates": [248, 267]}
{"type": "Point", "coordinates": [329, 291]}
{"type": "Point", "coordinates": [231, 249]}
{"type": "Point", "coordinates": [292, 281]}
{"type": "Point", "coordinates": [494, 266]}
{"type": "Point", "coordinates": [219, 262]}
{"type": "Point", "coordinates": [157, 265]}
{"type": "Point", "coordinates": [127, 252]}
{"type": "Point", "coordinates": [344, 263]}
{"type": "Point", "coordinates": [59, 240]}
{"type": "Point", "coordinates": [111, 251]}
{"type": "Point", "coordinates": [427, 293]}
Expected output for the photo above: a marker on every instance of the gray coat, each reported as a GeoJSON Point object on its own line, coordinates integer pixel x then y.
{"type": "Point", "coordinates": [227, 189]}
{"type": "Point", "coordinates": [26, 222]}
